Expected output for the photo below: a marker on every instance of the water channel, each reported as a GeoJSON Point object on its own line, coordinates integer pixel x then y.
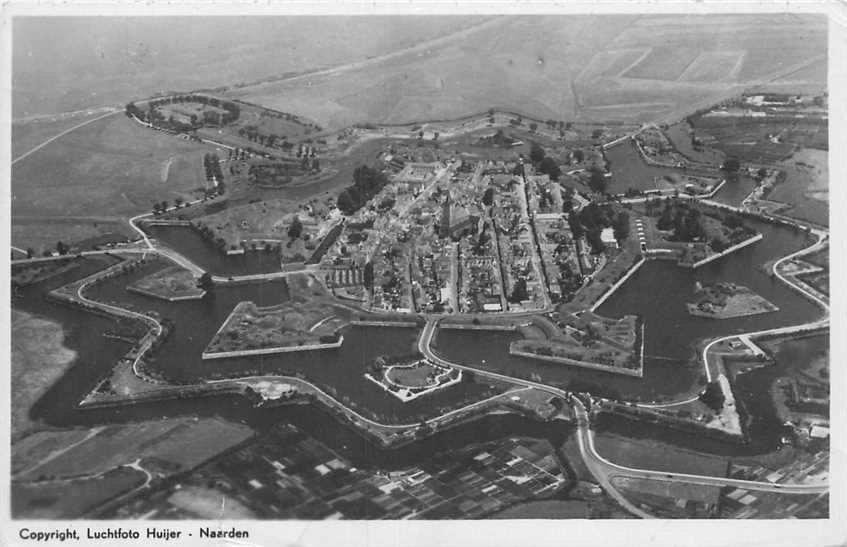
{"type": "Point", "coordinates": [658, 291]}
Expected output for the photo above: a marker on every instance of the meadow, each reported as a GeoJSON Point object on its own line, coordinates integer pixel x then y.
{"type": "Point", "coordinates": [110, 60]}
{"type": "Point", "coordinates": [104, 172]}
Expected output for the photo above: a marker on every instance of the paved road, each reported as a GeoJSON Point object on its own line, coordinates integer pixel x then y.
{"type": "Point", "coordinates": [610, 469]}
{"type": "Point", "coordinates": [602, 469]}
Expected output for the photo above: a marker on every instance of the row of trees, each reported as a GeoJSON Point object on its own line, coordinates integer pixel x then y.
{"type": "Point", "coordinates": [212, 166]}
{"type": "Point", "coordinates": [211, 117]}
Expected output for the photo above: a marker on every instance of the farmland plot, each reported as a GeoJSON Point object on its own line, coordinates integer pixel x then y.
{"type": "Point", "coordinates": [713, 66]}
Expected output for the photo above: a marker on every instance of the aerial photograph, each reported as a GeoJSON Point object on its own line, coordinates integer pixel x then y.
{"type": "Point", "coordinates": [438, 267]}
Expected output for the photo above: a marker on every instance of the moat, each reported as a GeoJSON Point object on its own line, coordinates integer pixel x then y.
{"type": "Point", "coordinates": [658, 291]}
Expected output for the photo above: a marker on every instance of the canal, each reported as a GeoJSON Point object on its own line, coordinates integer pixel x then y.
{"type": "Point", "coordinates": [658, 291]}
{"type": "Point", "coordinates": [338, 371]}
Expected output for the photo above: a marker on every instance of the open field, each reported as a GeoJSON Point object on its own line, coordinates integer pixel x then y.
{"type": "Point", "coordinates": [71, 499]}
{"type": "Point", "coordinates": [112, 167]}
{"type": "Point", "coordinates": [547, 509]}
{"type": "Point", "coordinates": [175, 444]}
{"type": "Point", "coordinates": [658, 456]}
{"type": "Point", "coordinates": [757, 35]}
{"type": "Point", "coordinates": [713, 66]}
{"type": "Point", "coordinates": [666, 63]}
{"type": "Point", "coordinates": [451, 79]}
{"type": "Point", "coordinates": [38, 359]}
{"type": "Point", "coordinates": [207, 503]}
{"type": "Point", "coordinates": [761, 140]}
{"type": "Point", "coordinates": [207, 53]}
{"type": "Point", "coordinates": [41, 233]}
{"type": "Point", "coordinates": [27, 134]}
{"type": "Point", "coordinates": [612, 62]}
{"type": "Point", "coordinates": [668, 489]}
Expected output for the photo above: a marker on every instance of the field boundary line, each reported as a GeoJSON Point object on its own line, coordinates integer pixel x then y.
{"type": "Point", "coordinates": [62, 134]}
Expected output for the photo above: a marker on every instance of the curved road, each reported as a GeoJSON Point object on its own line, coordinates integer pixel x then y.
{"type": "Point", "coordinates": [602, 469]}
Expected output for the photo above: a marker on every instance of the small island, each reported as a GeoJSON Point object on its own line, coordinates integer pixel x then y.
{"type": "Point", "coordinates": [173, 283]}
{"type": "Point", "coordinates": [252, 330]}
{"type": "Point", "coordinates": [410, 377]}
{"type": "Point", "coordinates": [588, 341]}
{"type": "Point", "coordinates": [727, 301]}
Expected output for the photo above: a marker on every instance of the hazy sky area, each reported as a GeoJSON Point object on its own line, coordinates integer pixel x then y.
{"type": "Point", "coordinates": [69, 63]}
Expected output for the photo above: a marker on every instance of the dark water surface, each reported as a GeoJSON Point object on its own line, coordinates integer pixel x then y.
{"type": "Point", "coordinates": [658, 291]}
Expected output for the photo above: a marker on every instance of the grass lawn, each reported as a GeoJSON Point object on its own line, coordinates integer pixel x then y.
{"type": "Point", "coordinates": [208, 503]}
{"type": "Point", "coordinates": [546, 509]}
{"type": "Point", "coordinates": [53, 500]}
{"type": "Point", "coordinates": [420, 375]}
{"type": "Point", "coordinates": [106, 171]}
{"type": "Point", "coordinates": [656, 455]}
{"type": "Point", "coordinates": [667, 489]}
{"type": "Point", "coordinates": [30, 133]}
{"type": "Point", "coordinates": [175, 444]}
{"type": "Point", "coordinates": [43, 232]}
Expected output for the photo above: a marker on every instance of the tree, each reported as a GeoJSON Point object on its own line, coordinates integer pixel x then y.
{"type": "Point", "coordinates": [549, 167]}
{"type": "Point", "coordinates": [713, 396]}
{"type": "Point", "coordinates": [621, 226]}
{"type": "Point", "coordinates": [597, 182]}
{"type": "Point", "coordinates": [296, 228]}
{"type": "Point", "coordinates": [519, 292]}
{"type": "Point", "coordinates": [578, 155]}
{"type": "Point", "coordinates": [368, 275]}
{"type": "Point", "coordinates": [488, 197]}
{"type": "Point", "coordinates": [718, 245]}
{"type": "Point", "coordinates": [576, 226]}
{"type": "Point", "coordinates": [30, 252]}
{"type": "Point", "coordinates": [178, 202]}
{"type": "Point", "coordinates": [61, 248]}
{"type": "Point", "coordinates": [596, 242]}
{"type": "Point", "coordinates": [536, 153]}
{"type": "Point", "coordinates": [346, 203]}
{"type": "Point", "coordinates": [533, 126]}
{"type": "Point", "coordinates": [206, 282]}
{"type": "Point", "coordinates": [731, 165]}
{"type": "Point", "coordinates": [762, 173]}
